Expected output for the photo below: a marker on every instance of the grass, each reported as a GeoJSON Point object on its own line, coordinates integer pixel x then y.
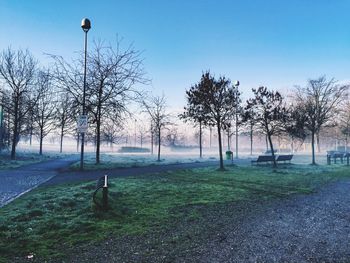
{"type": "Point", "coordinates": [48, 221]}
{"type": "Point", "coordinates": [117, 160]}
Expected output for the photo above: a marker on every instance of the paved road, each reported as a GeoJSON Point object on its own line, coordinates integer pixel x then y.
{"type": "Point", "coordinates": [15, 182]}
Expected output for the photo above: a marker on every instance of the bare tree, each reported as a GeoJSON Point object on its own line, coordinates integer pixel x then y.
{"type": "Point", "coordinates": [248, 120]}
{"type": "Point", "coordinates": [69, 79]}
{"type": "Point", "coordinates": [344, 122]}
{"type": "Point", "coordinates": [112, 132]}
{"type": "Point", "coordinates": [295, 124]}
{"type": "Point", "coordinates": [195, 114]}
{"type": "Point", "coordinates": [64, 115]}
{"type": "Point", "coordinates": [269, 113]}
{"type": "Point", "coordinates": [113, 75]}
{"type": "Point", "coordinates": [319, 98]}
{"type": "Point", "coordinates": [216, 100]}
{"type": "Point", "coordinates": [156, 109]}
{"type": "Point", "coordinates": [3, 126]}
{"type": "Point", "coordinates": [44, 109]}
{"type": "Point", "coordinates": [174, 137]}
{"type": "Point", "coordinates": [17, 69]}
{"type": "Point", "coordinates": [142, 133]}
{"type": "Point", "coordinates": [111, 78]}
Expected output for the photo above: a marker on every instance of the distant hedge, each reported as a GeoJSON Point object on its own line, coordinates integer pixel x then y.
{"type": "Point", "coordinates": [133, 150]}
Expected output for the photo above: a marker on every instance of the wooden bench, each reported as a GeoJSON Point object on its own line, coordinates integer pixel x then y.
{"type": "Point", "coordinates": [284, 158]}
{"type": "Point", "coordinates": [264, 159]}
{"type": "Point", "coordinates": [335, 156]}
{"type": "Point", "coordinates": [347, 156]}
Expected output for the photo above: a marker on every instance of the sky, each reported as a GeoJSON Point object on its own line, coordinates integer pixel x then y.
{"type": "Point", "coordinates": [273, 43]}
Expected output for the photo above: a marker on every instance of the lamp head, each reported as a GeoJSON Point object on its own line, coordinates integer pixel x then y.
{"type": "Point", "coordinates": [85, 24]}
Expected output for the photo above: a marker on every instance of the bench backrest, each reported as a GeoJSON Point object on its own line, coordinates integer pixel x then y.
{"type": "Point", "coordinates": [287, 157]}
{"type": "Point", "coordinates": [338, 155]}
{"type": "Point", "coordinates": [265, 158]}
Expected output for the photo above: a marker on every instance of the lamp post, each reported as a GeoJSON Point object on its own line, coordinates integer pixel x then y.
{"type": "Point", "coordinates": [135, 132]}
{"type": "Point", "coordinates": [85, 25]}
{"type": "Point", "coordinates": [1, 123]}
{"type": "Point", "coordinates": [200, 131]}
{"type": "Point", "coordinates": [236, 112]}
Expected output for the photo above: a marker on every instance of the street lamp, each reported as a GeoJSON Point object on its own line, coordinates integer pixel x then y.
{"type": "Point", "coordinates": [236, 98]}
{"type": "Point", "coordinates": [85, 25]}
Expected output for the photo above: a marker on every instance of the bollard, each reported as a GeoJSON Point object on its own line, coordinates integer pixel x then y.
{"type": "Point", "coordinates": [105, 194]}
{"type": "Point", "coordinates": [328, 159]}
{"type": "Point", "coordinates": [102, 183]}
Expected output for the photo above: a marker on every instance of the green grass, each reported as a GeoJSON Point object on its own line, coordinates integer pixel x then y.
{"type": "Point", "coordinates": [47, 221]}
{"type": "Point", "coordinates": [113, 160]}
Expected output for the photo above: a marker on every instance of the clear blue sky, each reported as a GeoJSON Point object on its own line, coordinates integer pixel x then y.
{"type": "Point", "coordinates": [274, 43]}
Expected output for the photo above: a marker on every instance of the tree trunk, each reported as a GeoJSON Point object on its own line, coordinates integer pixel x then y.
{"type": "Point", "coordinates": [267, 145]}
{"type": "Point", "coordinates": [78, 140]}
{"type": "Point", "coordinates": [15, 133]}
{"type": "Point", "coordinates": [159, 145]}
{"type": "Point", "coordinates": [228, 140]}
{"type": "Point", "coordinates": [236, 134]}
{"type": "Point", "coordinates": [31, 134]}
{"type": "Point", "coordinates": [98, 140]}
{"type": "Point", "coordinates": [200, 139]}
{"type": "Point", "coordinates": [14, 139]}
{"type": "Point", "coordinates": [336, 144]}
{"type": "Point", "coordinates": [272, 150]}
{"type": "Point", "coordinates": [220, 146]}
{"type": "Point", "coordinates": [210, 134]}
{"type": "Point", "coordinates": [251, 139]}
{"type": "Point", "coordinates": [151, 139]}
{"type": "Point", "coordinates": [223, 140]}
{"type": "Point", "coordinates": [41, 142]}
{"type": "Point", "coordinates": [61, 141]}
{"type": "Point", "coordinates": [313, 147]}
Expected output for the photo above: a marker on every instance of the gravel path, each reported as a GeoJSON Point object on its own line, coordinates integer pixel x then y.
{"type": "Point", "coordinates": [15, 182]}
{"type": "Point", "coordinates": [311, 228]}
{"type": "Point", "coordinates": [303, 228]}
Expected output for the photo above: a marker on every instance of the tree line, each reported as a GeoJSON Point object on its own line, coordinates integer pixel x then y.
{"type": "Point", "coordinates": [320, 104]}
{"type": "Point", "coordinates": [36, 101]}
